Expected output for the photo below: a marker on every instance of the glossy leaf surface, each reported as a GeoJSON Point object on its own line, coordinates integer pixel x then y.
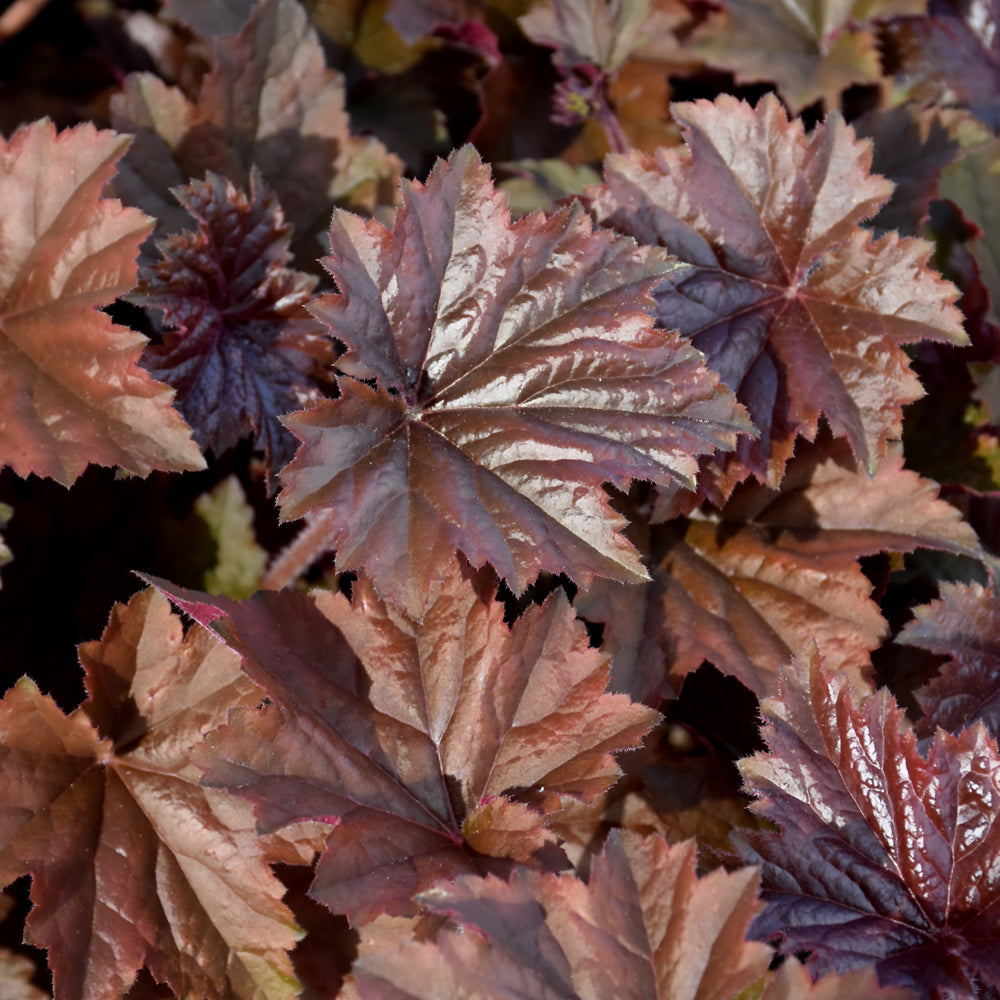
{"type": "Point", "coordinates": [516, 370]}
{"type": "Point", "coordinates": [884, 854]}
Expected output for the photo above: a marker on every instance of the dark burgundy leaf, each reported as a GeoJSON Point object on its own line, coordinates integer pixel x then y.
{"type": "Point", "coordinates": [952, 56]}
{"type": "Point", "coordinates": [964, 626]}
{"type": "Point", "coordinates": [241, 350]}
{"type": "Point", "coordinates": [883, 854]}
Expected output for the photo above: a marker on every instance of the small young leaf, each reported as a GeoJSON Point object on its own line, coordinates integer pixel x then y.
{"type": "Point", "coordinates": [964, 625]}
{"type": "Point", "coordinates": [242, 350]}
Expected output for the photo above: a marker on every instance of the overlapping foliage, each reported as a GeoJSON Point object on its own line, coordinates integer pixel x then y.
{"type": "Point", "coordinates": [567, 495]}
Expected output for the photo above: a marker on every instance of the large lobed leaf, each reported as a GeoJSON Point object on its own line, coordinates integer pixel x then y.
{"type": "Point", "coordinates": [133, 862]}
{"type": "Point", "coordinates": [749, 586]}
{"type": "Point", "coordinates": [515, 370]}
{"type": "Point", "coordinates": [241, 348]}
{"type": "Point", "coordinates": [800, 310]}
{"type": "Point", "coordinates": [431, 747]}
{"type": "Point", "coordinates": [883, 854]}
{"type": "Point", "coordinates": [71, 392]}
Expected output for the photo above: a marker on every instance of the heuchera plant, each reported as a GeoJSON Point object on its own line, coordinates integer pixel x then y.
{"type": "Point", "coordinates": [557, 445]}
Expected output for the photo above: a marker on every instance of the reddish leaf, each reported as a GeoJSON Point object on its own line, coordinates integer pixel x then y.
{"type": "Point", "coordinates": [883, 854]}
{"type": "Point", "coordinates": [644, 926]}
{"type": "Point", "coordinates": [748, 587]}
{"type": "Point", "coordinates": [71, 392]}
{"type": "Point", "coordinates": [800, 310]}
{"type": "Point", "coordinates": [243, 347]}
{"type": "Point", "coordinates": [132, 861]}
{"type": "Point", "coordinates": [268, 101]}
{"type": "Point", "coordinates": [964, 626]}
{"type": "Point", "coordinates": [413, 739]}
{"type": "Point", "coordinates": [811, 52]}
{"type": "Point", "coordinates": [517, 372]}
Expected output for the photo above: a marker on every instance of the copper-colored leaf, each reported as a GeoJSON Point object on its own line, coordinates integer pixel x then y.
{"type": "Point", "coordinates": [883, 854]}
{"type": "Point", "coordinates": [133, 862]}
{"type": "Point", "coordinates": [749, 586]}
{"type": "Point", "coordinates": [71, 392]}
{"type": "Point", "coordinates": [411, 738]}
{"type": "Point", "coordinates": [644, 926]}
{"type": "Point", "coordinates": [800, 310]}
{"type": "Point", "coordinates": [517, 371]}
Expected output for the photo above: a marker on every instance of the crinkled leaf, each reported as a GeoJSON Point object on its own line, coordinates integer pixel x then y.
{"type": "Point", "coordinates": [241, 348]}
{"type": "Point", "coordinates": [643, 926]}
{"type": "Point", "coordinates": [964, 626]}
{"type": "Point", "coordinates": [409, 736]}
{"type": "Point", "coordinates": [133, 862]}
{"type": "Point", "coordinates": [749, 586]}
{"type": "Point", "coordinates": [812, 51]}
{"type": "Point", "coordinates": [801, 311]}
{"type": "Point", "coordinates": [269, 101]}
{"type": "Point", "coordinates": [951, 56]}
{"type": "Point", "coordinates": [882, 854]}
{"type": "Point", "coordinates": [517, 371]}
{"type": "Point", "coordinates": [71, 392]}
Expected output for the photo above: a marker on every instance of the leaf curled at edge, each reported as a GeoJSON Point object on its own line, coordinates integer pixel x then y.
{"type": "Point", "coordinates": [517, 370]}
{"type": "Point", "coordinates": [800, 310]}
{"type": "Point", "coordinates": [133, 862]}
{"type": "Point", "coordinates": [424, 743]}
{"type": "Point", "coordinates": [883, 854]}
{"type": "Point", "coordinates": [71, 392]}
